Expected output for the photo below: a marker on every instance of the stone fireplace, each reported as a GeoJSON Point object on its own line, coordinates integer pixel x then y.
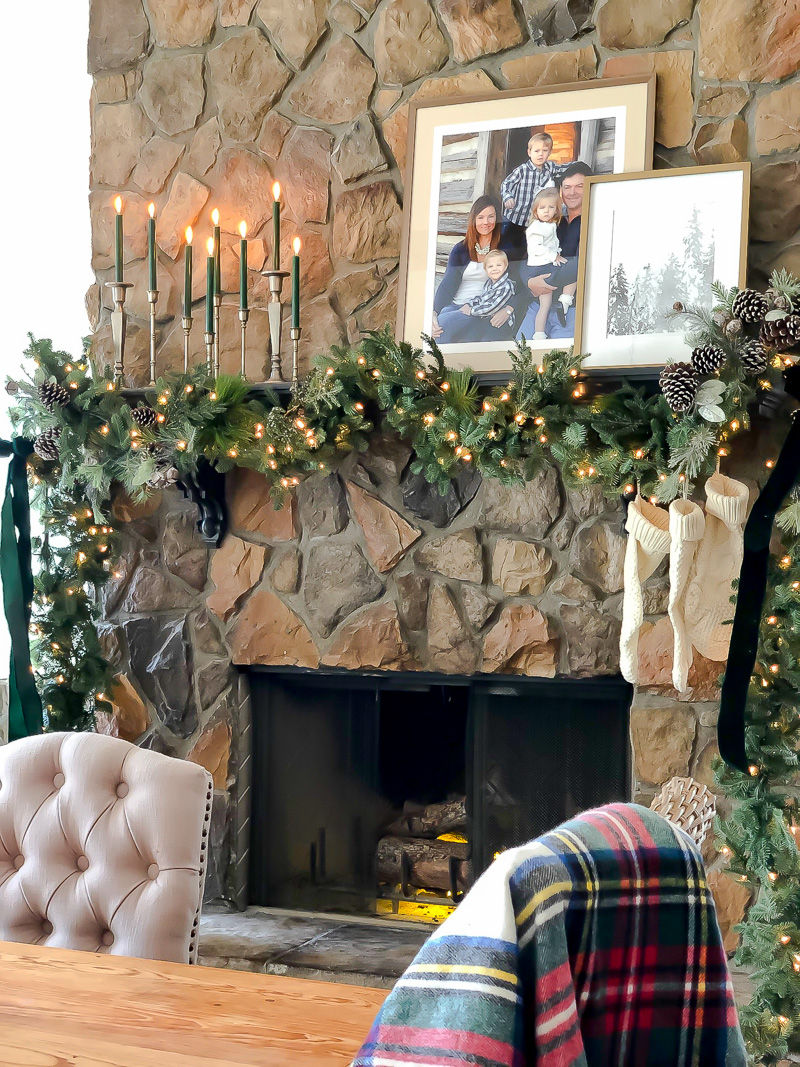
{"type": "Point", "coordinates": [476, 624]}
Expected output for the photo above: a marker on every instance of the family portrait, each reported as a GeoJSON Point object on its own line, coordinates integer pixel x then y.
{"type": "Point", "coordinates": [509, 228]}
{"type": "Point", "coordinates": [493, 213]}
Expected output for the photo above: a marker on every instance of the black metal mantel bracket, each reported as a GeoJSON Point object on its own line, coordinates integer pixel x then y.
{"type": "Point", "coordinates": [206, 488]}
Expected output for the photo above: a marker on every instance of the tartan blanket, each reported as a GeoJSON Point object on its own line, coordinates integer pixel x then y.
{"type": "Point", "coordinates": [596, 945]}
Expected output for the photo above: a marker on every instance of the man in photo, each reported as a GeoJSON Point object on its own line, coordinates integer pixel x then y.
{"type": "Point", "coordinates": [518, 190]}
{"type": "Point", "coordinates": [472, 321]}
{"type": "Point", "coordinates": [561, 319]}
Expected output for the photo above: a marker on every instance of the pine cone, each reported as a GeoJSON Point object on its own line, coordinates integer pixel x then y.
{"type": "Point", "coordinates": [749, 305]}
{"type": "Point", "coordinates": [143, 416]}
{"type": "Point", "coordinates": [754, 358]}
{"type": "Point", "coordinates": [46, 444]}
{"type": "Point", "coordinates": [781, 333]}
{"type": "Point", "coordinates": [53, 395]}
{"type": "Point", "coordinates": [707, 358]}
{"type": "Point", "coordinates": [733, 327]}
{"type": "Point", "coordinates": [679, 383]}
{"type": "Point", "coordinates": [163, 478]}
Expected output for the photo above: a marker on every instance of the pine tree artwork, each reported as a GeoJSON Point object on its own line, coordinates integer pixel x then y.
{"type": "Point", "coordinates": [619, 309]}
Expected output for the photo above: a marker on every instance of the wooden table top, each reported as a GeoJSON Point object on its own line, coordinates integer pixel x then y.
{"type": "Point", "coordinates": [60, 1008]}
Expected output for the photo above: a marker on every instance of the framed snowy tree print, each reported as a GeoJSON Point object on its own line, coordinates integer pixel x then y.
{"type": "Point", "coordinates": [654, 240]}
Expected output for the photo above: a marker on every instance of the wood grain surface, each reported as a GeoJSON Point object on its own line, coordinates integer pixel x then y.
{"type": "Point", "coordinates": [60, 1008]}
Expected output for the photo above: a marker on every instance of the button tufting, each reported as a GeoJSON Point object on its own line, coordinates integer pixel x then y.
{"type": "Point", "coordinates": [107, 938]}
{"type": "Point", "coordinates": [18, 861]}
{"type": "Point", "coordinates": [122, 789]}
{"type": "Point", "coordinates": [47, 927]}
{"type": "Point", "coordinates": [59, 780]}
{"type": "Point", "coordinates": [82, 863]}
{"type": "Point", "coordinates": [152, 871]}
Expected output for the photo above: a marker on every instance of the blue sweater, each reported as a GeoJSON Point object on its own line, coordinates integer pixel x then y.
{"type": "Point", "coordinates": [457, 263]}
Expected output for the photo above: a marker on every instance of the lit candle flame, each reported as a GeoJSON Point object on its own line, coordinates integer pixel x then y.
{"type": "Point", "coordinates": [243, 229]}
{"type": "Point", "coordinates": [189, 235]}
{"type": "Point", "coordinates": [215, 217]}
{"type": "Point", "coordinates": [151, 210]}
{"type": "Point", "coordinates": [210, 246]}
{"type": "Point", "coordinates": [296, 246]}
{"type": "Point", "coordinates": [276, 190]}
{"type": "Point", "coordinates": [118, 205]}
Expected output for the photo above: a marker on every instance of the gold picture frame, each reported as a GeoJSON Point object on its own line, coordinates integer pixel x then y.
{"type": "Point", "coordinates": [625, 105]}
{"type": "Point", "coordinates": [623, 300]}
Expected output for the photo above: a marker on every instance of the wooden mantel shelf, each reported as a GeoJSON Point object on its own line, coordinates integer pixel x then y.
{"type": "Point", "coordinates": [76, 1008]}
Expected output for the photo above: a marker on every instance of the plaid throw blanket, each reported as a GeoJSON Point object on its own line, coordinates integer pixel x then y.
{"type": "Point", "coordinates": [595, 946]}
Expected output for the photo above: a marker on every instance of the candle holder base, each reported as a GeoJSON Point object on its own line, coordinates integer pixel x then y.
{"type": "Point", "coordinates": [294, 333]}
{"type": "Point", "coordinates": [152, 296]}
{"type": "Point", "coordinates": [217, 306]}
{"type": "Point", "coordinates": [186, 324]}
{"type": "Point", "coordinates": [119, 322]}
{"type": "Point", "coordinates": [275, 317]}
{"type": "Point", "coordinates": [209, 339]}
{"type": "Point", "coordinates": [244, 315]}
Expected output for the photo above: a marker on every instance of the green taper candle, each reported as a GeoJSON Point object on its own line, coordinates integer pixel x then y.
{"type": "Point", "coordinates": [217, 274]}
{"type": "Point", "coordinates": [243, 266]}
{"type": "Point", "coordinates": [210, 270]}
{"type": "Point", "coordinates": [187, 275]}
{"type": "Point", "coordinates": [118, 241]}
{"type": "Point", "coordinates": [276, 226]}
{"type": "Point", "coordinates": [296, 282]}
{"type": "Point", "coordinates": [151, 249]}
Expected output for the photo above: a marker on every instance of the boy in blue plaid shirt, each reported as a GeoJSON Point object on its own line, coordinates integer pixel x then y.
{"type": "Point", "coordinates": [471, 321]}
{"type": "Point", "coordinates": [518, 190]}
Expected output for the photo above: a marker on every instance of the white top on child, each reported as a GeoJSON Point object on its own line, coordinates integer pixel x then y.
{"type": "Point", "coordinates": [472, 282]}
{"type": "Point", "coordinates": [543, 246]}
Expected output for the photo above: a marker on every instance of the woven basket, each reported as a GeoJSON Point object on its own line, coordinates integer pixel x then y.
{"type": "Point", "coordinates": [689, 805]}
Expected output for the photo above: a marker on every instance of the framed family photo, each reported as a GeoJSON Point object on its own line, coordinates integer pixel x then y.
{"type": "Point", "coordinates": [493, 226]}
{"type": "Point", "coordinates": [650, 241]}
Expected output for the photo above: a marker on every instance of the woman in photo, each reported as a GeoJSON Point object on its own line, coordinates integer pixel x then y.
{"type": "Point", "coordinates": [466, 275]}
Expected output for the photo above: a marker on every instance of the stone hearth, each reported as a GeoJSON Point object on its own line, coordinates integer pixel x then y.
{"type": "Point", "coordinates": [368, 568]}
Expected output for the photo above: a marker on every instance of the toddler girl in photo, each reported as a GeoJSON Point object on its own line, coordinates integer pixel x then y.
{"type": "Point", "coordinates": [544, 254]}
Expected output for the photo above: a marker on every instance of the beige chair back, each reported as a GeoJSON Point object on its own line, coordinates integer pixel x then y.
{"type": "Point", "coordinates": [102, 846]}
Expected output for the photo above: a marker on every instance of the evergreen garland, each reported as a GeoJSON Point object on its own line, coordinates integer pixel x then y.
{"type": "Point", "coordinates": [625, 441]}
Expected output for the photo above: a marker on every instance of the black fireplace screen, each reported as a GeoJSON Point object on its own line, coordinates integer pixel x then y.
{"type": "Point", "coordinates": [387, 786]}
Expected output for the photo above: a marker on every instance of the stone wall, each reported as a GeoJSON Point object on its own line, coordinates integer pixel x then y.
{"type": "Point", "coordinates": [369, 568]}
{"type": "Point", "coordinates": [198, 103]}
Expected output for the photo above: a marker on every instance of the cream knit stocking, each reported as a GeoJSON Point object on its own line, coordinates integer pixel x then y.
{"type": "Point", "coordinates": [709, 611]}
{"type": "Point", "coordinates": [686, 524]}
{"type": "Point", "coordinates": [648, 544]}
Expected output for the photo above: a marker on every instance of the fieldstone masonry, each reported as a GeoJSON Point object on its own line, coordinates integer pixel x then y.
{"type": "Point", "coordinates": [202, 103]}
{"type": "Point", "coordinates": [205, 103]}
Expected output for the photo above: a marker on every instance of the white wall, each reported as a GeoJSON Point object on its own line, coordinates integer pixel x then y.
{"type": "Point", "coordinates": [45, 242]}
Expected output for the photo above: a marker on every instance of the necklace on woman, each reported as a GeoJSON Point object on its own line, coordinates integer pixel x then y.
{"type": "Point", "coordinates": [483, 251]}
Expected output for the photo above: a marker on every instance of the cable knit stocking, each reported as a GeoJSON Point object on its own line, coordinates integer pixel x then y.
{"type": "Point", "coordinates": [709, 611]}
{"type": "Point", "coordinates": [686, 525]}
{"type": "Point", "coordinates": [648, 544]}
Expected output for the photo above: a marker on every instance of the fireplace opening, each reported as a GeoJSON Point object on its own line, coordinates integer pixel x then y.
{"type": "Point", "coordinates": [388, 794]}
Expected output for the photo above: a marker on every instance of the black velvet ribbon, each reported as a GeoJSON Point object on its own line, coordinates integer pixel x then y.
{"type": "Point", "coordinates": [24, 704]}
{"type": "Point", "coordinates": [752, 589]}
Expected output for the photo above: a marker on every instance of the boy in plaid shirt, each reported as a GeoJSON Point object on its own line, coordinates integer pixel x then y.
{"type": "Point", "coordinates": [518, 190]}
{"type": "Point", "coordinates": [459, 324]}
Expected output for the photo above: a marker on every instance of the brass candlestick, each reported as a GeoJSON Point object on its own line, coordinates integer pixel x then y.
{"type": "Point", "coordinates": [275, 314]}
{"type": "Point", "coordinates": [217, 306]}
{"type": "Point", "coordinates": [244, 315]}
{"type": "Point", "coordinates": [209, 353]}
{"type": "Point", "coordinates": [186, 323]}
{"type": "Point", "coordinates": [118, 327]}
{"type": "Point", "coordinates": [294, 333]}
{"type": "Point", "coordinates": [152, 296]}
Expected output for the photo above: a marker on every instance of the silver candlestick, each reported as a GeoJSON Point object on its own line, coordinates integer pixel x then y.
{"type": "Point", "coordinates": [275, 314]}
{"type": "Point", "coordinates": [186, 323]}
{"type": "Point", "coordinates": [217, 306]}
{"type": "Point", "coordinates": [118, 327]}
{"type": "Point", "coordinates": [152, 296]}
{"type": "Point", "coordinates": [244, 315]}
{"type": "Point", "coordinates": [294, 333]}
{"type": "Point", "coordinates": [209, 353]}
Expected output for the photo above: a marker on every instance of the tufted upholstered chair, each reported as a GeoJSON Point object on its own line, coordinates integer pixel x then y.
{"type": "Point", "coordinates": [102, 846]}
